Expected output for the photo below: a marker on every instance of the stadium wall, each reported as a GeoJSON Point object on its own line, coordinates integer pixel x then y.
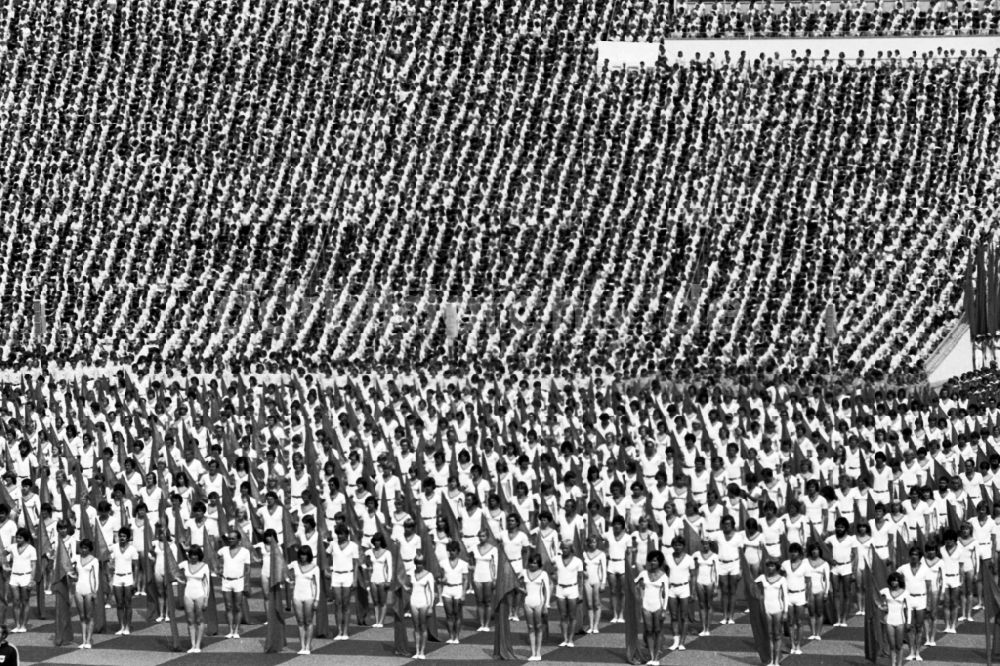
{"type": "Point", "coordinates": [636, 54]}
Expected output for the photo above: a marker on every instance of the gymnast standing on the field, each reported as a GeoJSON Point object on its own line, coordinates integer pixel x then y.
{"type": "Point", "coordinates": [304, 575]}
{"type": "Point", "coordinates": [22, 570]}
{"type": "Point", "coordinates": [197, 577]}
{"type": "Point", "coordinates": [344, 558]}
{"type": "Point", "coordinates": [124, 559]}
{"type": "Point", "coordinates": [85, 573]}
{"type": "Point", "coordinates": [234, 569]}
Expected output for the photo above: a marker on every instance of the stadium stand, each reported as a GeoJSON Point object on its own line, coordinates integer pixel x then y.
{"type": "Point", "coordinates": [653, 20]}
{"type": "Point", "coordinates": [265, 203]}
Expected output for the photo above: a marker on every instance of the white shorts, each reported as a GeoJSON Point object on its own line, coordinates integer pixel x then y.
{"type": "Point", "coordinates": [452, 592]}
{"type": "Point", "coordinates": [342, 579]}
{"type": "Point", "coordinates": [122, 580]}
{"type": "Point", "coordinates": [797, 598]}
{"type": "Point", "coordinates": [679, 591]}
{"type": "Point", "coordinates": [728, 568]}
{"type": "Point", "coordinates": [232, 584]}
{"type": "Point", "coordinates": [880, 496]}
{"type": "Point", "coordinates": [918, 602]}
{"type": "Point", "coordinates": [841, 569]}
{"type": "Point", "coordinates": [20, 580]}
{"type": "Point", "coordinates": [568, 591]}
{"type": "Point", "coordinates": [951, 581]}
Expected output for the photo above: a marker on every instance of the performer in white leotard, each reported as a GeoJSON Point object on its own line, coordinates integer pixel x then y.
{"type": "Point", "coordinates": [774, 590]}
{"type": "Point", "coordinates": [197, 579]}
{"type": "Point", "coordinates": [538, 592]}
{"type": "Point", "coordinates": [86, 572]}
{"type": "Point", "coordinates": [422, 596]}
{"type": "Point", "coordinates": [484, 576]}
{"type": "Point", "coordinates": [894, 600]}
{"type": "Point", "coordinates": [653, 584]}
{"type": "Point", "coordinates": [382, 568]}
{"type": "Point", "coordinates": [305, 576]}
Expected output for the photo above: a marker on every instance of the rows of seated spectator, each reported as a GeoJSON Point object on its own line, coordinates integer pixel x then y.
{"type": "Point", "coordinates": [237, 180]}
{"type": "Point", "coordinates": [656, 20]}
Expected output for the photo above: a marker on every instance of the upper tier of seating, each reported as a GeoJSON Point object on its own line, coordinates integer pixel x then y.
{"type": "Point", "coordinates": [655, 20]}
{"type": "Point", "coordinates": [236, 180]}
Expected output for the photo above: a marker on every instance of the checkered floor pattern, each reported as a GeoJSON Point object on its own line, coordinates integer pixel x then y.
{"type": "Point", "coordinates": [148, 645]}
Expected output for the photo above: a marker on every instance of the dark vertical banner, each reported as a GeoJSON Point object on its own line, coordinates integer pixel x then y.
{"type": "Point", "coordinates": [503, 597]}
{"type": "Point", "coordinates": [758, 621]}
{"type": "Point", "coordinates": [275, 640]}
{"type": "Point", "coordinates": [991, 612]}
{"type": "Point", "coordinates": [970, 302]}
{"type": "Point", "coordinates": [171, 574]}
{"type": "Point", "coordinates": [993, 291]}
{"type": "Point", "coordinates": [982, 311]}
{"type": "Point", "coordinates": [876, 643]}
{"type": "Point", "coordinates": [636, 651]}
{"type": "Point", "coordinates": [63, 631]}
{"type": "Point", "coordinates": [397, 607]}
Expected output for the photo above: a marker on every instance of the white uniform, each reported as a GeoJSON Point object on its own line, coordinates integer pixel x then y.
{"type": "Point", "coordinates": [679, 576]}
{"type": "Point", "coordinates": [616, 551]}
{"type": "Point", "coordinates": [422, 595]}
{"type": "Point", "coordinates": [568, 578]}
{"type": "Point", "coordinates": [342, 563]}
{"type": "Point", "coordinates": [916, 585]}
{"type": "Point", "coordinates": [818, 576]}
{"type": "Point", "coordinates": [596, 566]}
{"type": "Point", "coordinates": [453, 573]}
{"type": "Point", "coordinates": [234, 569]}
{"type": "Point", "coordinates": [382, 568]}
{"type": "Point", "coordinates": [796, 581]}
{"type": "Point", "coordinates": [775, 594]}
{"type": "Point", "coordinates": [196, 587]}
{"type": "Point", "coordinates": [122, 559]}
{"type": "Point", "coordinates": [654, 592]}
{"type": "Point", "coordinates": [88, 575]}
{"type": "Point", "coordinates": [951, 567]}
{"type": "Point", "coordinates": [486, 565]}
{"type": "Point", "coordinates": [729, 554]}
{"type": "Point", "coordinates": [842, 554]}
{"type": "Point", "coordinates": [536, 589]}
{"type": "Point", "coordinates": [513, 547]}
{"type": "Point", "coordinates": [307, 583]}
{"type": "Point", "coordinates": [706, 565]}
{"type": "Point", "coordinates": [896, 607]}
{"type": "Point", "coordinates": [21, 569]}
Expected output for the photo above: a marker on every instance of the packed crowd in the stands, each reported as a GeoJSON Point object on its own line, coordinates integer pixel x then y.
{"type": "Point", "coordinates": [655, 20]}
{"type": "Point", "coordinates": [202, 182]}
{"type": "Point", "coordinates": [443, 277]}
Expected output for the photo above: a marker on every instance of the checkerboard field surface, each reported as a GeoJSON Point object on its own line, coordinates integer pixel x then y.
{"type": "Point", "coordinates": [149, 645]}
